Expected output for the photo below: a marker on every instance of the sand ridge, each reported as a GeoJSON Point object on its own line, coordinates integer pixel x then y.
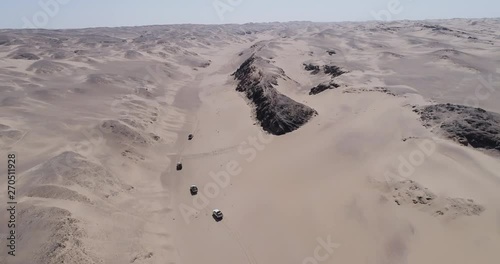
{"type": "Point", "coordinates": [375, 171]}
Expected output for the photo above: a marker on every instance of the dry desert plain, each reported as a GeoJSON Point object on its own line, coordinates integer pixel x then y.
{"type": "Point", "coordinates": [320, 142]}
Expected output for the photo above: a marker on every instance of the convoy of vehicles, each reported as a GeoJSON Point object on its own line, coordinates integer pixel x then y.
{"type": "Point", "coordinates": [216, 213]}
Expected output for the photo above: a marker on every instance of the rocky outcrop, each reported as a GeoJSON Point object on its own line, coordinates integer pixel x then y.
{"type": "Point", "coordinates": [332, 70]}
{"type": "Point", "coordinates": [437, 28]}
{"type": "Point", "coordinates": [314, 69]}
{"type": "Point", "coordinates": [331, 52]}
{"type": "Point", "coordinates": [323, 87]}
{"type": "Point", "coordinates": [411, 194]}
{"type": "Point", "coordinates": [276, 113]}
{"type": "Point", "coordinates": [369, 90]}
{"type": "Point", "coordinates": [469, 126]}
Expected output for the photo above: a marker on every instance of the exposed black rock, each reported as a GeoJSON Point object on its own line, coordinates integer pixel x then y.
{"type": "Point", "coordinates": [26, 56]}
{"type": "Point", "coordinates": [323, 87]}
{"type": "Point", "coordinates": [314, 69]}
{"type": "Point", "coordinates": [333, 70]}
{"type": "Point", "coordinates": [331, 52]}
{"type": "Point", "coordinates": [369, 90]}
{"type": "Point", "coordinates": [467, 125]}
{"type": "Point", "coordinates": [276, 113]}
{"type": "Point", "coordinates": [437, 28]}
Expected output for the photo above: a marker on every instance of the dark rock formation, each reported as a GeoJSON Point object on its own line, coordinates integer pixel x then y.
{"type": "Point", "coordinates": [323, 87]}
{"type": "Point", "coordinates": [276, 113]}
{"type": "Point", "coordinates": [314, 69]}
{"type": "Point", "coordinates": [333, 70]}
{"type": "Point", "coordinates": [369, 90]}
{"type": "Point", "coordinates": [331, 52]}
{"type": "Point", "coordinates": [437, 28]}
{"type": "Point", "coordinates": [467, 125]}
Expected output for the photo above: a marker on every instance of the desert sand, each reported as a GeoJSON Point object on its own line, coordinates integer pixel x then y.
{"type": "Point", "coordinates": [320, 142]}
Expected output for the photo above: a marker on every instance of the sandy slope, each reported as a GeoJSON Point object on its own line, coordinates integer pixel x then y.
{"type": "Point", "coordinates": [99, 117]}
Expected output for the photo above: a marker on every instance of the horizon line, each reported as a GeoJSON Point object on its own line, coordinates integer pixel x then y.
{"type": "Point", "coordinates": [262, 22]}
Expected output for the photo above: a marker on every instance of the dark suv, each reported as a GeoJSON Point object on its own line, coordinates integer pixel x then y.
{"type": "Point", "coordinates": [193, 190]}
{"type": "Point", "coordinates": [217, 214]}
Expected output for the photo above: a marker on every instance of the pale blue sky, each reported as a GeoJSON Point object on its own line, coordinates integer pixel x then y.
{"type": "Point", "coordinates": [97, 13]}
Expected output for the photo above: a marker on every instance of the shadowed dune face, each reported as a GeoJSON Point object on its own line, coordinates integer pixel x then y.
{"type": "Point", "coordinates": [69, 169]}
{"type": "Point", "coordinates": [132, 54]}
{"type": "Point", "coordinates": [103, 79]}
{"type": "Point", "coordinates": [122, 132]}
{"type": "Point", "coordinates": [61, 55]}
{"type": "Point", "coordinates": [59, 232]}
{"type": "Point", "coordinates": [57, 192]}
{"type": "Point", "coordinates": [25, 56]}
{"type": "Point", "coordinates": [381, 137]}
{"type": "Point", "coordinates": [47, 67]}
{"type": "Point", "coordinates": [9, 136]}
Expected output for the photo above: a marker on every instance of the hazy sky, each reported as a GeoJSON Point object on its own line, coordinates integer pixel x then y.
{"type": "Point", "coordinates": [95, 13]}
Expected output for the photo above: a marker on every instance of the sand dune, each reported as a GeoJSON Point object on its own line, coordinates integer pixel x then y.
{"type": "Point", "coordinates": [70, 168]}
{"type": "Point", "coordinates": [379, 140]}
